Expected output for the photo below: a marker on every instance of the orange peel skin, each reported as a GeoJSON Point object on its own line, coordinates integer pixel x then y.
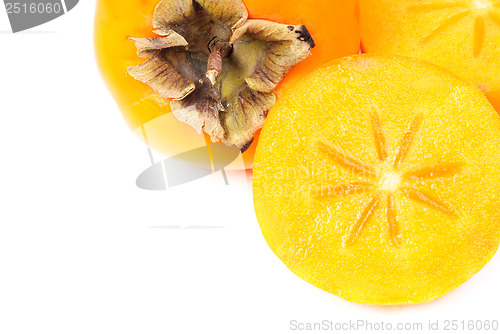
{"type": "Point", "coordinates": [462, 36]}
{"type": "Point", "coordinates": [376, 179]}
{"type": "Point", "coordinates": [149, 115]}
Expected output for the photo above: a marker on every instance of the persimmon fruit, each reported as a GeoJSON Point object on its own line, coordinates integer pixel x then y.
{"type": "Point", "coordinates": [376, 179]}
{"type": "Point", "coordinates": [332, 25]}
{"type": "Point", "coordinates": [462, 36]}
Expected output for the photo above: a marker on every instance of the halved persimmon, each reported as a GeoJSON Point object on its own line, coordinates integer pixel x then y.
{"type": "Point", "coordinates": [376, 179]}
{"type": "Point", "coordinates": [462, 36]}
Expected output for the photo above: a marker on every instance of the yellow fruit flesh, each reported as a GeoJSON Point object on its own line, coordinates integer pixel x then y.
{"type": "Point", "coordinates": [462, 36]}
{"type": "Point", "coordinates": [376, 179]}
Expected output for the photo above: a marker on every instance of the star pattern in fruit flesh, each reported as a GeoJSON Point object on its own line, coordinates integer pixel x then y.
{"type": "Point", "coordinates": [482, 9]}
{"type": "Point", "coordinates": [386, 180]}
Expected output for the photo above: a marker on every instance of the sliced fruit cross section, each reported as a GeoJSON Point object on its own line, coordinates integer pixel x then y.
{"type": "Point", "coordinates": [386, 180]}
{"type": "Point", "coordinates": [376, 179]}
{"type": "Point", "coordinates": [462, 36]}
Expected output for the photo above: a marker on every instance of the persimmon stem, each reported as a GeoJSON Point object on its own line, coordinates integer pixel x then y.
{"type": "Point", "coordinates": [214, 65]}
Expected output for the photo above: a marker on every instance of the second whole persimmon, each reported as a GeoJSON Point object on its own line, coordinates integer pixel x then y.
{"type": "Point", "coordinates": [331, 24]}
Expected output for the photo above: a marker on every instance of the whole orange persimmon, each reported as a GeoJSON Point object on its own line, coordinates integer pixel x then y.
{"type": "Point", "coordinates": [127, 32]}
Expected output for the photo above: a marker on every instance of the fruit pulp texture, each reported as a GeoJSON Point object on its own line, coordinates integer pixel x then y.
{"type": "Point", "coordinates": [376, 180]}
{"type": "Point", "coordinates": [462, 36]}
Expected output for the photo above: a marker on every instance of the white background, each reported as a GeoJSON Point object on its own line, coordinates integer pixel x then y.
{"type": "Point", "coordinates": [83, 250]}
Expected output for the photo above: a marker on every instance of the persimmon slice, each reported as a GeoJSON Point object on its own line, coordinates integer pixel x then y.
{"type": "Point", "coordinates": [376, 179]}
{"type": "Point", "coordinates": [462, 36]}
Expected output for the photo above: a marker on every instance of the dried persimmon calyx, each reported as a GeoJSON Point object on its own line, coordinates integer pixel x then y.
{"type": "Point", "coordinates": [219, 67]}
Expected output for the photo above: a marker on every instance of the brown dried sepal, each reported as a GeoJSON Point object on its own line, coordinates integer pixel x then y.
{"type": "Point", "coordinates": [219, 68]}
